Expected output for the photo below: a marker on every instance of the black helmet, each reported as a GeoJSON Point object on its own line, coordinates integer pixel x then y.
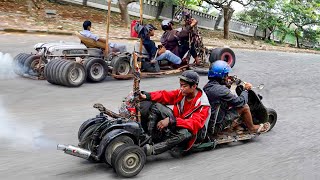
{"type": "Point", "coordinates": [190, 76]}
{"type": "Point", "coordinates": [166, 25]}
{"type": "Point", "coordinates": [142, 31]}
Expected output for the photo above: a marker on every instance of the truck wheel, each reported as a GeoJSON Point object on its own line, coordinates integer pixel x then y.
{"type": "Point", "coordinates": [58, 71]}
{"type": "Point", "coordinates": [272, 115]}
{"type": "Point", "coordinates": [121, 66]}
{"type": "Point", "coordinates": [48, 70]}
{"type": "Point", "coordinates": [73, 74]}
{"type": "Point", "coordinates": [225, 54]}
{"type": "Point", "coordinates": [116, 142]}
{"type": "Point", "coordinates": [96, 69]}
{"type": "Point", "coordinates": [128, 160]}
{"type": "Point", "coordinates": [18, 63]}
{"type": "Point", "coordinates": [31, 64]}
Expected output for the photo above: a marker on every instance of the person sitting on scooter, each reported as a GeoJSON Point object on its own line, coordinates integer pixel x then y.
{"type": "Point", "coordinates": [191, 110]}
{"type": "Point", "coordinates": [114, 47]}
{"type": "Point", "coordinates": [231, 105]}
{"type": "Point", "coordinates": [160, 53]}
{"type": "Point", "coordinates": [178, 41]}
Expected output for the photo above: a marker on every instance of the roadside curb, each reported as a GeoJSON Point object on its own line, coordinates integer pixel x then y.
{"type": "Point", "coordinates": [67, 33]}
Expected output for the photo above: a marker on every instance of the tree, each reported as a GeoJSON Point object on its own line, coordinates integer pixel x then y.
{"type": "Point", "coordinates": [267, 15]}
{"type": "Point", "coordinates": [225, 7]}
{"type": "Point", "coordinates": [303, 14]}
{"type": "Point", "coordinates": [123, 6]}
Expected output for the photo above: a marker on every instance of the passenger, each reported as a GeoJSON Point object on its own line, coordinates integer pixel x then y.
{"type": "Point", "coordinates": [191, 110]}
{"type": "Point", "coordinates": [231, 106]}
{"type": "Point", "coordinates": [178, 41]}
{"type": "Point", "coordinates": [160, 53]}
{"type": "Point", "coordinates": [114, 47]}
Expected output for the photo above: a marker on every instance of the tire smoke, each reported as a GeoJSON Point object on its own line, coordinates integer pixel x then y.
{"type": "Point", "coordinates": [21, 136]}
{"type": "Point", "coordinates": [6, 66]}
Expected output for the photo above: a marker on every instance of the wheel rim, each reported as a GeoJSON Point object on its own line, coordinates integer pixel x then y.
{"type": "Point", "coordinates": [76, 75]}
{"type": "Point", "coordinates": [227, 57]}
{"type": "Point", "coordinates": [34, 65]}
{"type": "Point", "coordinates": [96, 70]}
{"type": "Point", "coordinates": [123, 68]}
{"type": "Point", "coordinates": [130, 162]}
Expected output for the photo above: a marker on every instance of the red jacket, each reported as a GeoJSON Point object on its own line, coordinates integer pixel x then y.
{"type": "Point", "coordinates": [192, 119]}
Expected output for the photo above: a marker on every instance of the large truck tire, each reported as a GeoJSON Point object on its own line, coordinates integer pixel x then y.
{"type": "Point", "coordinates": [225, 54]}
{"type": "Point", "coordinates": [18, 63]}
{"type": "Point", "coordinates": [73, 74]}
{"type": "Point", "coordinates": [121, 66]}
{"type": "Point", "coordinates": [96, 69]}
{"type": "Point", "coordinates": [65, 72]}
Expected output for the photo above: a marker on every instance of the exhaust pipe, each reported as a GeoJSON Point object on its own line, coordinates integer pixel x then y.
{"type": "Point", "coordinates": [76, 151]}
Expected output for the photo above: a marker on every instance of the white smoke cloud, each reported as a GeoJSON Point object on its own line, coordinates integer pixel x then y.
{"type": "Point", "coordinates": [6, 67]}
{"type": "Point", "coordinates": [21, 136]}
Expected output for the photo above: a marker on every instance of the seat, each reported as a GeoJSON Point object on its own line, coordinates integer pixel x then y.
{"type": "Point", "coordinates": [90, 43]}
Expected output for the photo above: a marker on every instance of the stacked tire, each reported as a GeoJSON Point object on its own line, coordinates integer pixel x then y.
{"type": "Point", "coordinates": [18, 63]}
{"type": "Point", "coordinates": [65, 72]}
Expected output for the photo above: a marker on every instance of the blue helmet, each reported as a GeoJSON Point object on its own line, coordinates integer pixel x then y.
{"type": "Point", "coordinates": [219, 69]}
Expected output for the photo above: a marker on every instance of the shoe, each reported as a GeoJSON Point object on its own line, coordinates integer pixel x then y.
{"type": "Point", "coordinates": [148, 149]}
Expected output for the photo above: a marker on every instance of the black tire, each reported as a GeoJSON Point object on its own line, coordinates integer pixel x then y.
{"type": "Point", "coordinates": [49, 69]}
{"type": "Point", "coordinates": [96, 68]}
{"type": "Point", "coordinates": [56, 73]}
{"type": "Point", "coordinates": [18, 63]}
{"type": "Point", "coordinates": [116, 142]}
{"type": "Point", "coordinates": [272, 115]}
{"type": "Point", "coordinates": [225, 54]}
{"type": "Point", "coordinates": [73, 74]}
{"type": "Point", "coordinates": [85, 140]}
{"type": "Point", "coordinates": [128, 160]}
{"type": "Point", "coordinates": [121, 66]}
{"type": "Point", "coordinates": [30, 65]}
{"type": "Point", "coordinates": [62, 77]}
{"type": "Point", "coordinates": [85, 137]}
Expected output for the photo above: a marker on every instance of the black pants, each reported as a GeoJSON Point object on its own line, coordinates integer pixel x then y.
{"type": "Point", "coordinates": [166, 139]}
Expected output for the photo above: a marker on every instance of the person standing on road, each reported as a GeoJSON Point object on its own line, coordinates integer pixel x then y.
{"type": "Point", "coordinates": [191, 112]}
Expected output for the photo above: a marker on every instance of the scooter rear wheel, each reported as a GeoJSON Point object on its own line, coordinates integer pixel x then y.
{"type": "Point", "coordinates": [272, 117]}
{"type": "Point", "coordinates": [128, 160]}
{"type": "Point", "coordinates": [116, 142]}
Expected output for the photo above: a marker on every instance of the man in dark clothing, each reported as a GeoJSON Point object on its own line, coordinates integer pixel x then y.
{"type": "Point", "coordinates": [177, 41]}
{"type": "Point", "coordinates": [231, 106]}
{"type": "Point", "coordinates": [155, 53]}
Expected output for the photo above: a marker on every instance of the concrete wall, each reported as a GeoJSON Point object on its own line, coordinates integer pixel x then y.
{"type": "Point", "coordinates": [150, 7]}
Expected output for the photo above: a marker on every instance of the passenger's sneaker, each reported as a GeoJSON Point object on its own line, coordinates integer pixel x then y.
{"type": "Point", "coordinates": [148, 149]}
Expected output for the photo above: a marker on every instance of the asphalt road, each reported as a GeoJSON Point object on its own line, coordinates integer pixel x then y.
{"type": "Point", "coordinates": [35, 116]}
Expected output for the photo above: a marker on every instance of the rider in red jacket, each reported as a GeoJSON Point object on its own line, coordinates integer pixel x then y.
{"type": "Point", "coordinates": [191, 111]}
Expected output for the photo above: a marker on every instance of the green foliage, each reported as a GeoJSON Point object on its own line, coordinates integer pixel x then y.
{"type": "Point", "coordinates": [311, 35]}
{"type": "Point", "coordinates": [303, 14]}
